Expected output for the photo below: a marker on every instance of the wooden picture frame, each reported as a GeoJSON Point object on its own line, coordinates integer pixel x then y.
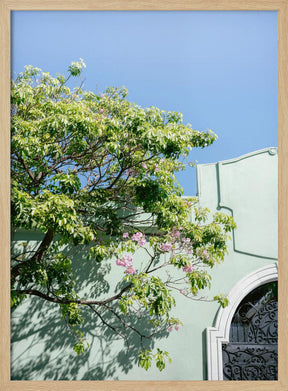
{"type": "Point", "coordinates": [137, 5]}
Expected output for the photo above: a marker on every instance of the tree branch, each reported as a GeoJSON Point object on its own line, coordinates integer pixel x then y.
{"type": "Point", "coordinates": [104, 322]}
{"type": "Point", "coordinates": [29, 172]}
{"type": "Point", "coordinates": [37, 257]}
{"type": "Point", "coordinates": [34, 292]}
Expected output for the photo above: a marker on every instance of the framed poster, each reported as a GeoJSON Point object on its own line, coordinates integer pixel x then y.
{"type": "Point", "coordinates": [192, 57]}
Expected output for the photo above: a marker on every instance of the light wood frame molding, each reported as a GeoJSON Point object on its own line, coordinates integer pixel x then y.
{"type": "Point", "coordinates": [6, 6]}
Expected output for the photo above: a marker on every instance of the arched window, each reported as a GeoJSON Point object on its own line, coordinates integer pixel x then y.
{"type": "Point", "coordinates": [252, 353]}
{"type": "Point", "coordinates": [251, 303]}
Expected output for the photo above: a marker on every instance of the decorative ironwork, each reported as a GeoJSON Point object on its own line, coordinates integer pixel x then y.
{"type": "Point", "coordinates": [263, 328]}
{"type": "Point", "coordinates": [252, 353]}
{"type": "Point", "coordinates": [250, 362]}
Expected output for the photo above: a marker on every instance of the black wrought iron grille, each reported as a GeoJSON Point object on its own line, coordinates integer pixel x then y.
{"type": "Point", "coordinates": [252, 351]}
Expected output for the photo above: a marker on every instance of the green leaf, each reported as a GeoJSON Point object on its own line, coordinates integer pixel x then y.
{"type": "Point", "coordinates": [222, 300]}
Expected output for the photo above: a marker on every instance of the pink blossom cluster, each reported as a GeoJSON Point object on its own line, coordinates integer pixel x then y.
{"type": "Point", "coordinates": [130, 270]}
{"type": "Point", "coordinates": [188, 269]}
{"type": "Point", "coordinates": [203, 253]}
{"type": "Point", "coordinates": [156, 166]}
{"type": "Point", "coordinates": [186, 243]}
{"type": "Point", "coordinates": [186, 240]}
{"type": "Point", "coordinates": [127, 262]}
{"type": "Point", "coordinates": [131, 171]}
{"type": "Point", "coordinates": [170, 328]}
{"type": "Point", "coordinates": [176, 233]}
{"type": "Point", "coordinates": [139, 238]}
{"type": "Point", "coordinates": [165, 247]}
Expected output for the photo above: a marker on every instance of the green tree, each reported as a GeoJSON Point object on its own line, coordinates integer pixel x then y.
{"type": "Point", "coordinates": [88, 171]}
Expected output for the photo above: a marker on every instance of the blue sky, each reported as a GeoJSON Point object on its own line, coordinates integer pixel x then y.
{"type": "Point", "coordinates": [219, 68]}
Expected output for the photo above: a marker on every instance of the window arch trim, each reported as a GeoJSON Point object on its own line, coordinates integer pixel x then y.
{"type": "Point", "coordinates": [219, 334]}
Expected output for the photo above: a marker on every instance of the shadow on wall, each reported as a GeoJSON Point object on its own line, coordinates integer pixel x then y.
{"type": "Point", "coordinates": [42, 344]}
{"type": "Point", "coordinates": [204, 357]}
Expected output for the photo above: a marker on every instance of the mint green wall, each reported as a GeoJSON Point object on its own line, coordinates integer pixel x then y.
{"type": "Point", "coordinates": [41, 346]}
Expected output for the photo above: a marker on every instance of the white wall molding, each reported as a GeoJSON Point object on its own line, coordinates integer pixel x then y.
{"type": "Point", "coordinates": [219, 334]}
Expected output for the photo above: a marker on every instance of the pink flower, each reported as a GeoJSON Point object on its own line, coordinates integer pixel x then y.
{"type": "Point", "coordinates": [130, 270]}
{"type": "Point", "coordinates": [120, 262]}
{"type": "Point", "coordinates": [156, 168]}
{"type": "Point", "coordinates": [181, 291]}
{"type": "Point", "coordinates": [101, 111]}
{"type": "Point", "coordinates": [205, 254]}
{"type": "Point", "coordinates": [136, 236]}
{"type": "Point", "coordinates": [139, 238]}
{"type": "Point", "coordinates": [165, 247]}
{"type": "Point", "coordinates": [188, 269]}
{"type": "Point", "coordinates": [126, 261]}
{"type": "Point", "coordinates": [177, 327]}
{"type": "Point", "coordinates": [131, 171]}
{"type": "Point", "coordinates": [176, 231]}
{"type": "Point", "coordinates": [170, 328]}
{"type": "Point", "coordinates": [125, 235]}
{"type": "Point", "coordinates": [143, 165]}
{"type": "Point", "coordinates": [186, 240]}
{"type": "Point", "coordinates": [161, 160]}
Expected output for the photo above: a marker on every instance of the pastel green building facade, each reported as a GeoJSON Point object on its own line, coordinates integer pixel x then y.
{"type": "Point", "coordinates": [245, 187]}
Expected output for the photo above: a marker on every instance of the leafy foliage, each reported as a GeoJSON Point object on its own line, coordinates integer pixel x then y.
{"type": "Point", "coordinates": [90, 170]}
{"type": "Point", "coordinates": [145, 359]}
